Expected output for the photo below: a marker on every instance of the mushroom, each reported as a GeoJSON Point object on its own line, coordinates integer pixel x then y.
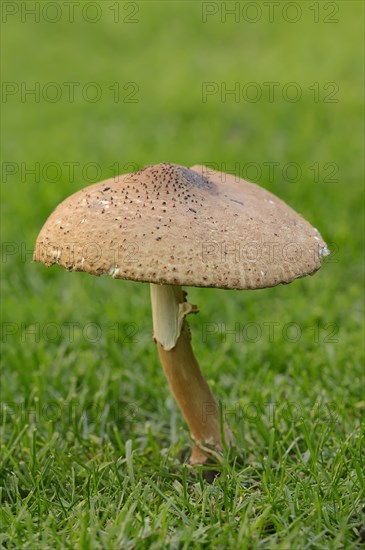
{"type": "Point", "coordinates": [173, 226]}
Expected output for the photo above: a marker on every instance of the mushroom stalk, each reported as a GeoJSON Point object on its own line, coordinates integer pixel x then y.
{"type": "Point", "coordinates": [191, 391]}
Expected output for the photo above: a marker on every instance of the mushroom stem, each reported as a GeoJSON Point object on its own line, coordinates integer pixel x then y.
{"type": "Point", "coordinates": [191, 391]}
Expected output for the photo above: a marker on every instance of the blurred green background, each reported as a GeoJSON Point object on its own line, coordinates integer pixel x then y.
{"type": "Point", "coordinates": [159, 56]}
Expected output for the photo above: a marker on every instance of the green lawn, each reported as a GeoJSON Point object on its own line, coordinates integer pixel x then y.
{"type": "Point", "coordinates": [92, 443]}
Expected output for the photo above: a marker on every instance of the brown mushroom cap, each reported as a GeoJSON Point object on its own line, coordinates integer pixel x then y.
{"type": "Point", "coordinates": [168, 224]}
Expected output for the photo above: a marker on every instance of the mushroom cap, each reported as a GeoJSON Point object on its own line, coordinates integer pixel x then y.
{"type": "Point", "coordinates": [168, 224]}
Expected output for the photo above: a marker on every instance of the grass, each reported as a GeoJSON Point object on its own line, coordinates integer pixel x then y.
{"type": "Point", "coordinates": [92, 444]}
